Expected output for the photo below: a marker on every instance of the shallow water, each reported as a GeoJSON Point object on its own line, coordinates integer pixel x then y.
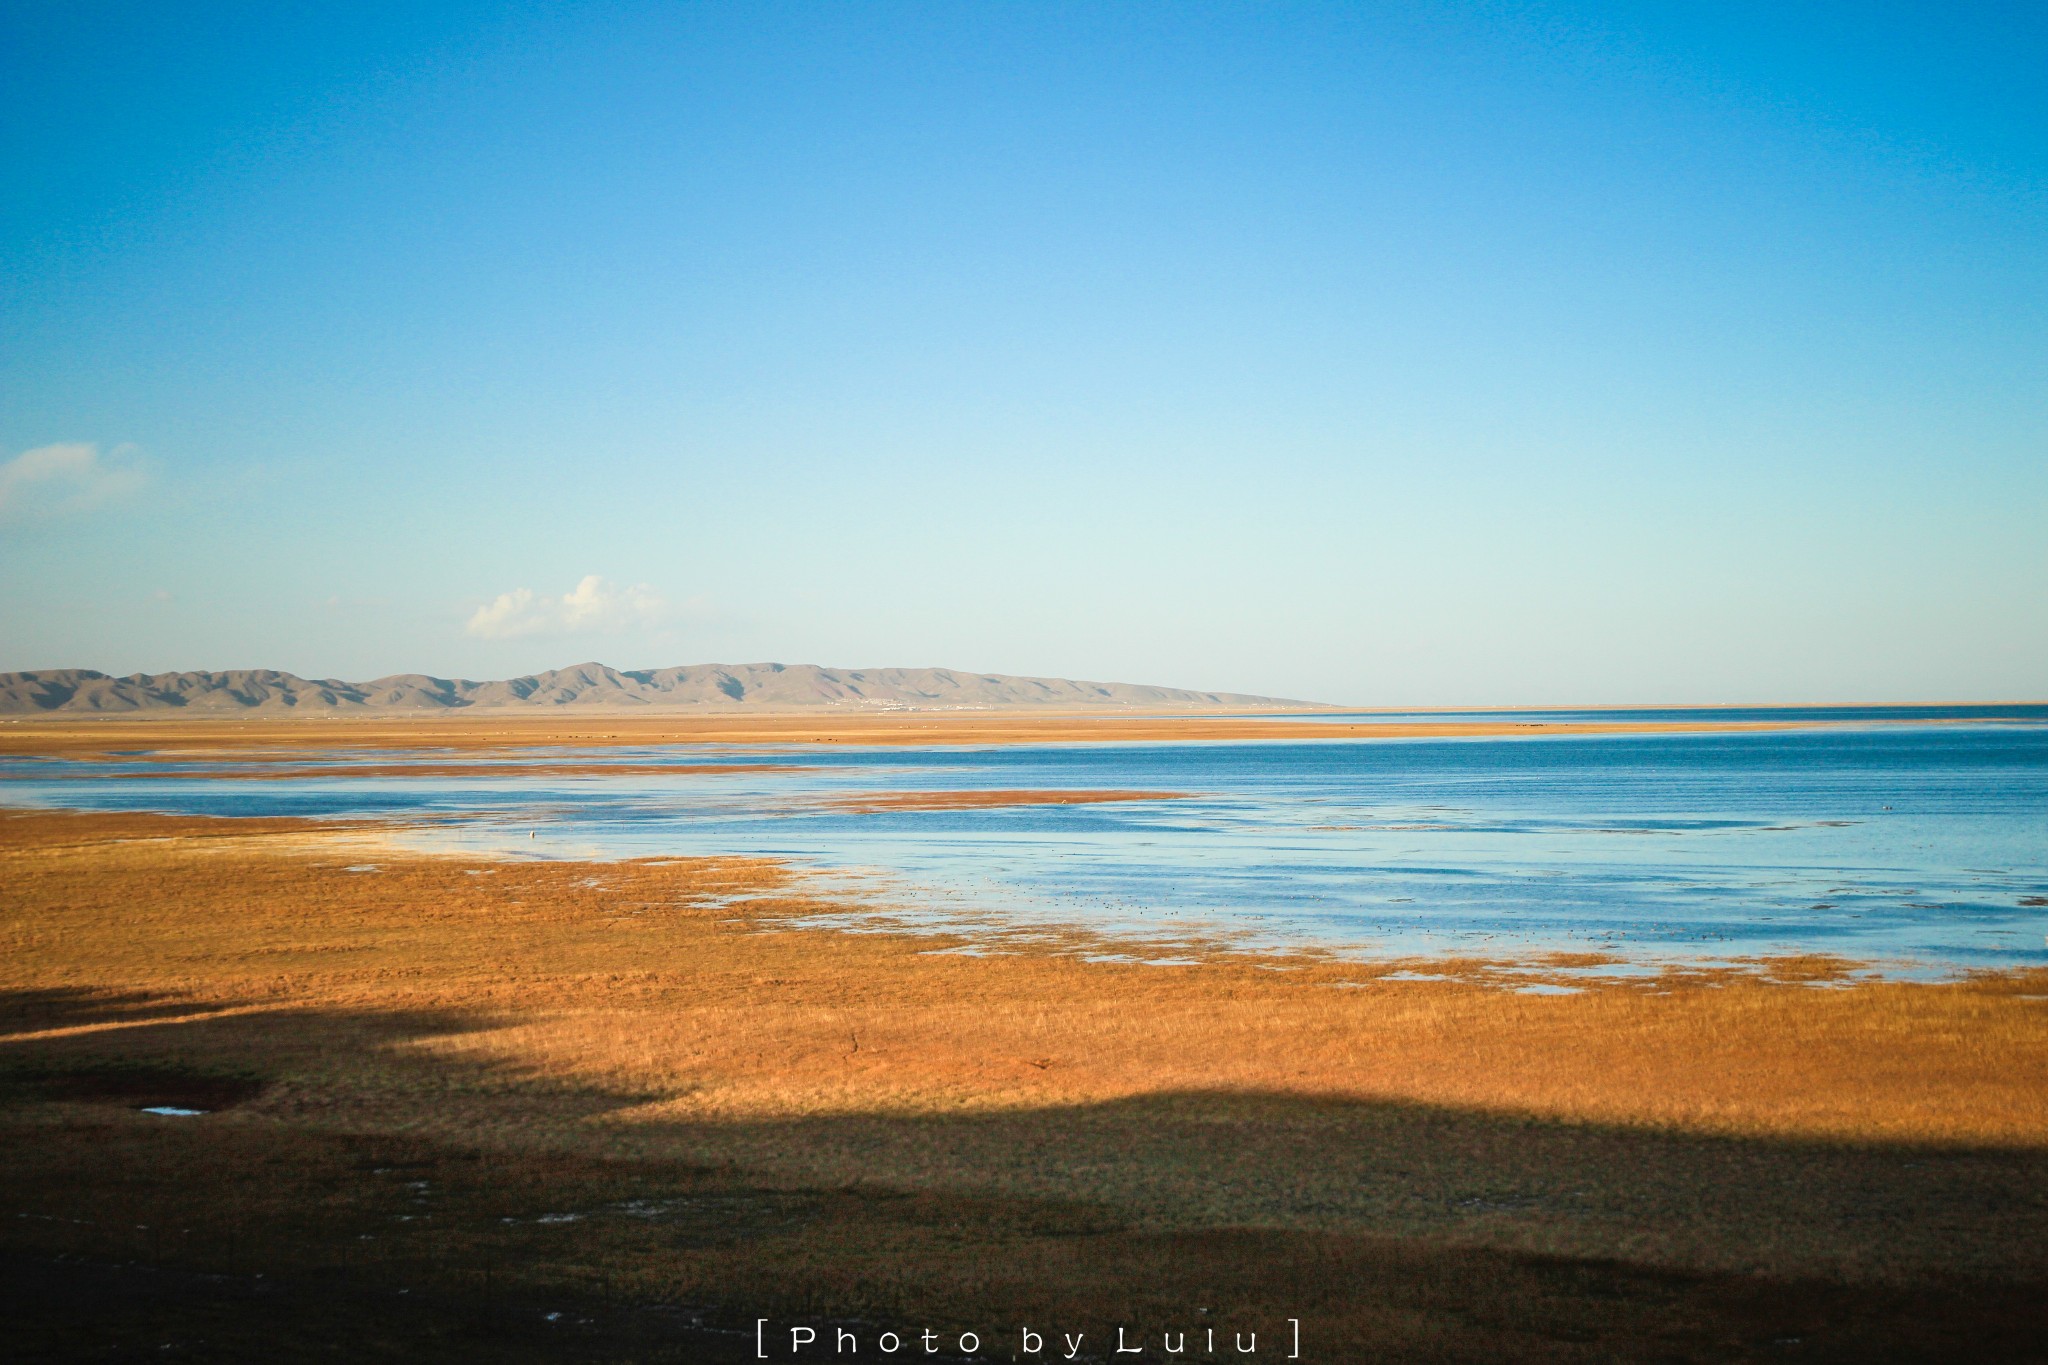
{"type": "Point", "coordinates": [2035, 713]}
{"type": "Point", "coordinates": [1923, 848]}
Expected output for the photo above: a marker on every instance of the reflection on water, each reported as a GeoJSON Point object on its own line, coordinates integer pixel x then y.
{"type": "Point", "coordinates": [1922, 846]}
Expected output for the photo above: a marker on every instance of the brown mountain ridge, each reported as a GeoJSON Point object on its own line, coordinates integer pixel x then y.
{"type": "Point", "coordinates": [591, 686]}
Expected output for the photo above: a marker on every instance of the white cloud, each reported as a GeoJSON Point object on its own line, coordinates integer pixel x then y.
{"type": "Point", "coordinates": [66, 478]}
{"type": "Point", "coordinates": [592, 607]}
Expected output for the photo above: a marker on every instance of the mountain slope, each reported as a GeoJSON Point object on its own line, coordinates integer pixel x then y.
{"type": "Point", "coordinates": [589, 686]}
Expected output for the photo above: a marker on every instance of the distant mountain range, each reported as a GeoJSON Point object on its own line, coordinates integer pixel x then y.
{"type": "Point", "coordinates": [585, 686]}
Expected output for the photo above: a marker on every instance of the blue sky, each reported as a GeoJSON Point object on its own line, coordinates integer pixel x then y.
{"type": "Point", "coordinates": [1398, 354]}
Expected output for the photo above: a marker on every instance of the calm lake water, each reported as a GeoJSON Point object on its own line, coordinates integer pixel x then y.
{"type": "Point", "coordinates": [1922, 848]}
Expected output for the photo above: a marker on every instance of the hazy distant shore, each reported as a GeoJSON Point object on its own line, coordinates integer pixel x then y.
{"type": "Point", "coordinates": [586, 687]}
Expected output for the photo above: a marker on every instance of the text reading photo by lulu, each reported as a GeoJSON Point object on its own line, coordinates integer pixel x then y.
{"type": "Point", "coordinates": [798, 1341]}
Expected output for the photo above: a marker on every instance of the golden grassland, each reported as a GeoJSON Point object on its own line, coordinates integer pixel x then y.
{"type": "Point", "coordinates": [749, 1112]}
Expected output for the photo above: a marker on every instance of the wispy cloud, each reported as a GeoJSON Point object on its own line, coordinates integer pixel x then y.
{"type": "Point", "coordinates": [65, 479]}
{"type": "Point", "coordinates": [593, 607]}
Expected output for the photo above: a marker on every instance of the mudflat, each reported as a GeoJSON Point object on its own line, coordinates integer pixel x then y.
{"type": "Point", "coordinates": [661, 1098]}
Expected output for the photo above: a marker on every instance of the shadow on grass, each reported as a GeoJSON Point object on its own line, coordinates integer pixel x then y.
{"type": "Point", "coordinates": [1394, 1231]}
{"type": "Point", "coordinates": [35, 1011]}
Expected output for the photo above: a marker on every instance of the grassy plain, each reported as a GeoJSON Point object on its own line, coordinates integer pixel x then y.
{"type": "Point", "coordinates": [657, 1097]}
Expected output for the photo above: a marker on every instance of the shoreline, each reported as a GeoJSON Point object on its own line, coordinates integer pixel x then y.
{"type": "Point", "coordinates": [318, 883]}
{"type": "Point", "coordinates": [1567, 968]}
{"type": "Point", "coordinates": [555, 746]}
{"type": "Point", "coordinates": [674, 754]}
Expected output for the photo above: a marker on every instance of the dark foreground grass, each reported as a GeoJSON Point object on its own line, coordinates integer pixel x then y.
{"type": "Point", "coordinates": [129, 1236]}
